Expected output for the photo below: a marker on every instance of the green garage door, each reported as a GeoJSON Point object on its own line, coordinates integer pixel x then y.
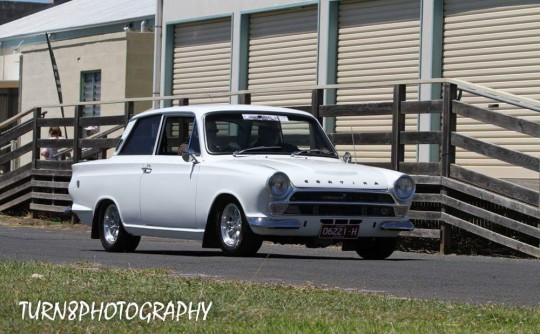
{"type": "Point", "coordinates": [495, 44]}
{"type": "Point", "coordinates": [283, 53]}
{"type": "Point", "coordinates": [202, 59]}
{"type": "Point", "coordinates": [378, 42]}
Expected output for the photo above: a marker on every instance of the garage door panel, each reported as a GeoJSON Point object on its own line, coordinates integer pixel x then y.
{"type": "Point", "coordinates": [201, 63]}
{"type": "Point", "coordinates": [205, 50]}
{"type": "Point", "coordinates": [495, 44]}
{"type": "Point", "coordinates": [467, 57]}
{"type": "Point", "coordinates": [287, 41]}
{"type": "Point", "coordinates": [283, 53]}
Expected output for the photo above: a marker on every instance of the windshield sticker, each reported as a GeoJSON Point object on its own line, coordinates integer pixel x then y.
{"type": "Point", "coordinates": [283, 118]}
{"type": "Point", "coordinates": [260, 117]}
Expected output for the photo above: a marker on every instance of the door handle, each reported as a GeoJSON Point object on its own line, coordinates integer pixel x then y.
{"type": "Point", "coordinates": [147, 169]}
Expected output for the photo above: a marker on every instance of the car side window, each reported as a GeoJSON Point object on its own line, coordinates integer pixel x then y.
{"type": "Point", "coordinates": [175, 135]}
{"type": "Point", "coordinates": [142, 139]}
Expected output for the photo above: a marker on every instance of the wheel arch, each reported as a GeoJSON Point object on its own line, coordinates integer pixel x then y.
{"type": "Point", "coordinates": [97, 214]}
{"type": "Point", "coordinates": [210, 238]}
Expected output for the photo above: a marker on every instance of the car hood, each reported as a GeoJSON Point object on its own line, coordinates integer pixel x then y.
{"type": "Point", "coordinates": [308, 172]}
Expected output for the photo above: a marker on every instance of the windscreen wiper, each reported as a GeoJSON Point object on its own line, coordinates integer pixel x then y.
{"type": "Point", "coordinates": [314, 150]}
{"type": "Point", "coordinates": [256, 148]}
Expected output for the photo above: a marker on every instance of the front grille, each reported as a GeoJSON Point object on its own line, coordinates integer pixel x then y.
{"type": "Point", "coordinates": [339, 203]}
{"type": "Point", "coordinates": [335, 196]}
{"type": "Point", "coordinates": [340, 210]}
{"type": "Point", "coordinates": [341, 221]}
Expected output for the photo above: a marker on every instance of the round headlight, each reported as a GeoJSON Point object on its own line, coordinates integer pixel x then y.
{"type": "Point", "coordinates": [404, 187]}
{"type": "Point", "coordinates": [278, 184]}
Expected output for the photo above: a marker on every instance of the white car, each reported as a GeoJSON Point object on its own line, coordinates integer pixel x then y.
{"type": "Point", "coordinates": [233, 176]}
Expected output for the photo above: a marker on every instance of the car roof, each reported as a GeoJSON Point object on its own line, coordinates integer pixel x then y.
{"type": "Point", "coordinates": [203, 109]}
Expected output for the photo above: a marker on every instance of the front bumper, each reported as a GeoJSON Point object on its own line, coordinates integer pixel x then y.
{"type": "Point", "coordinates": [271, 223]}
{"type": "Point", "coordinates": [303, 226]}
{"type": "Point", "coordinates": [397, 226]}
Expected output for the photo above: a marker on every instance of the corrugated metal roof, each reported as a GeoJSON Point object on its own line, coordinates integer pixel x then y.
{"type": "Point", "coordinates": [77, 14]}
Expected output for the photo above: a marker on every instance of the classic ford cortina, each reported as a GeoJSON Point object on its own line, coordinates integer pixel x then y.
{"type": "Point", "coordinates": [233, 176]}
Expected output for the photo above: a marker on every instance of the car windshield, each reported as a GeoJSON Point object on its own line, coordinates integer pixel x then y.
{"type": "Point", "coordinates": [243, 133]}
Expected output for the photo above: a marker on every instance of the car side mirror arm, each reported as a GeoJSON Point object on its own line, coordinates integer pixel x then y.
{"type": "Point", "coordinates": [189, 155]}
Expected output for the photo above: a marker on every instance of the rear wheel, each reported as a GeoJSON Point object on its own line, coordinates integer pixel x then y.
{"type": "Point", "coordinates": [375, 248]}
{"type": "Point", "coordinates": [234, 234]}
{"type": "Point", "coordinates": [112, 234]}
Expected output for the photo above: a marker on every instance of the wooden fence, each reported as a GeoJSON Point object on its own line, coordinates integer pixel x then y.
{"type": "Point", "coordinates": [449, 197]}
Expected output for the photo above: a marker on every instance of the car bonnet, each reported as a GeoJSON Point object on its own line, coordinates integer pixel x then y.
{"type": "Point", "coordinates": [323, 173]}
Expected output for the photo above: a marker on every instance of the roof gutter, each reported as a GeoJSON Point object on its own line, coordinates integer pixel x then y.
{"type": "Point", "coordinates": [88, 26]}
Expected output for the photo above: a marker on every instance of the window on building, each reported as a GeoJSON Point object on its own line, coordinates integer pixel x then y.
{"type": "Point", "coordinates": [9, 98]}
{"type": "Point", "coordinates": [91, 91]}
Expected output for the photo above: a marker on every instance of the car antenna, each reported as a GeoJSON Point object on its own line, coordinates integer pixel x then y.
{"type": "Point", "coordinates": [354, 147]}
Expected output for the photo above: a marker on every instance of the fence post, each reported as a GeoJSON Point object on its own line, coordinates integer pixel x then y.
{"type": "Point", "coordinates": [37, 135]}
{"type": "Point", "coordinates": [448, 156]}
{"type": "Point", "coordinates": [244, 98]}
{"type": "Point", "coordinates": [79, 110]}
{"type": "Point", "coordinates": [129, 108]}
{"type": "Point", "coordinates": [317, 98]}
{"type": "Point", "coordinates": [36, 151]}
{"type": "Point", "coordinates": [448, 152]}
{"type": "Point", "coordinates": [398, 125]}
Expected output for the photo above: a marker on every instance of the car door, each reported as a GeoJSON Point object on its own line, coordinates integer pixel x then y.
{"type": "Point", "coordinates": [168, 184]}
{"type": "Point", "coordinates": [126, 167]}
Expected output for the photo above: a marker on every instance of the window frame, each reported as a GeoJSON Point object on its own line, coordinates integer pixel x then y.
{"type": "Point", "coordinates": [162, 130]}
{"type": "Point", "coordinates": [137, 121]}
{"type": "Point", "coordinates": [94, 107]}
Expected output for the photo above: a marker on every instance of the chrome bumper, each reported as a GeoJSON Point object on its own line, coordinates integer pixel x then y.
{"type": "Point", "coordinates": [274, 223]}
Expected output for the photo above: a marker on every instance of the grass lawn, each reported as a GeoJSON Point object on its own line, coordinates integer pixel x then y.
{"type": "Point", "coordinates": [236, 307]}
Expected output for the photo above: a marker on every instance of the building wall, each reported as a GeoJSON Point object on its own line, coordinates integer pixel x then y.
{"type": "Point", "coordinates": [105, 52]}
{"type": "Point", "coordinates": [384, 38]}
{"type": "Point", "coordinates": [108, 53]}
{"type": "Point", "coordinates": [9, 67]}
{"type": "Point", "coordinates": [139, 69]}
{"type": "Point", "coordinates": [175, 12]}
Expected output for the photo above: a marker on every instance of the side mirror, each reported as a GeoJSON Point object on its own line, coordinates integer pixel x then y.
{"type": "Point", "coordinates": [189, 155]}
{"type": "Point", "coordinates": [347, 157]}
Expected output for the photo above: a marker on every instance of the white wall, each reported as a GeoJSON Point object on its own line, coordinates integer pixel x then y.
{"type": "Point", "coordinates": [9, 67]}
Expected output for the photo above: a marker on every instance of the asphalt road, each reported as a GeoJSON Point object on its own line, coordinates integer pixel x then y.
{"type": "Point", "coordinates": [471, 279]}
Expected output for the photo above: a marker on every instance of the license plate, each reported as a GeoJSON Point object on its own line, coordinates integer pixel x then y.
{"type": "Point", "coordinates": [339, 231]}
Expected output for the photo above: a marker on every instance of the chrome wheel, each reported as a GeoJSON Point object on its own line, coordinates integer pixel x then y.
{"type": "Point", "coordinates": [112, 234]}
{"type": "Point", "coordinates": [111, 224]}
{"type": "Point", "coordinates": [234, 235]}
{"type": "Point", "coordinates": [231, 225]}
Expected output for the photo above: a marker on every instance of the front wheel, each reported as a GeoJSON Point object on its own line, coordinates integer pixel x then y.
{"type": "Point", "coordinates": [112, 234]}
{"type": "Point", "coordinates": [375, 248]}
{"type": "Point", "coordinates": [234, 234]}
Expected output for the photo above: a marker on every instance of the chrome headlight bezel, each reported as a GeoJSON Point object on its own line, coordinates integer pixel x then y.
{"type": "Point", "coordinates": [278, 185]}
{"type": "Point", "coordinates": [404, 188]}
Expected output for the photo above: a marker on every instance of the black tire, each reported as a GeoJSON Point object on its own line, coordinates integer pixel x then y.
{"type": "Point", "coordinates": [233, 232]}
{"type": "Point", "coordinates": [375, 248]}
{"type": "Point", "coordinates": [112, 234]}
